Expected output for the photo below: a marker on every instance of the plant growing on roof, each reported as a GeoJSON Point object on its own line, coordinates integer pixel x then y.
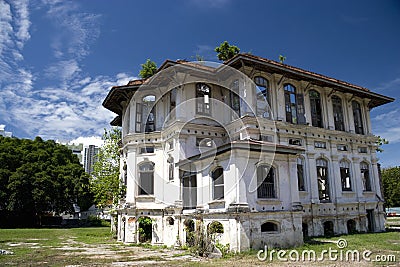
{"type": "Point", "coordinates": [226, 51]}
{"type": "Point", "coordinates": [149, 68]}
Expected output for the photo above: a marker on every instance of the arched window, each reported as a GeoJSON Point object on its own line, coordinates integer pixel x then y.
{"type": "Point", "coordinates": [294, 105]}
{"type": "Point", "coordinates": [146, 178]}
{"type": "Point", "coordinates": [338, 113]}
{"type": "Point", "coordinates": [365, 176]}
{"type": "Point", "coordinates": [218, 183]}
{"type": "Point", "coordinates": [323, 183]}
{"type": "Point", "coordinates": [358, 125]}
{"type": "Point", "coordinates": [263, 98]}
{"type": "Point", "coordinates": [265, 182]}
{"type": "Point", "coordinates": [316, 111]}
{"type": "Point", "coordinates": [300, 174]}
{"type": "Point", "coordinates": [215, 228]}
{"type": "Point", "coordinates": [345, 175]}
{"type": "Point", "coordinates": [171, 167]}
{"type": "Point", "coordinates": [269, 227]}
{"type": "Point", "coordinates": [146, 114]}
{"type": "Point", "coordinates": [203, 95]}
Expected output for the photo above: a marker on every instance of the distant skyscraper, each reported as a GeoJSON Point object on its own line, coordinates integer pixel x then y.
{"type": "Point", "coordinates": [90, 157]}
{"type": "Point", "coordinates": [3, 132]}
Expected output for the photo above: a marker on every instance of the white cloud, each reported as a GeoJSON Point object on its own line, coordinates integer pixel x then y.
{"type": "Point", "coordinates": [86, 141]}
{"type": "Point", "coordinates": [387, 125]}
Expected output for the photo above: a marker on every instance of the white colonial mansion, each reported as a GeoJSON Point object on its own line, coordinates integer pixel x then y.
{"type": "Point", "coordinates": [267, 152]}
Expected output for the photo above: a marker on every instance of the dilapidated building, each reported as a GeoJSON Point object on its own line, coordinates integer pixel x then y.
{"type": "Point", "coordinates": [266, 152]}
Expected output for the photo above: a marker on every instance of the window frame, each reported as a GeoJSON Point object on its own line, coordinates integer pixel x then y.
{"type": "Point", "coordinates": [141, 190]}
{"type": "Point", "coordinates": [357, 116]}
{"type": "Point", "coordinates": [202, 96]}
{"type": "Point", "coordinates": [345, 175]}
{"type": "Point", "coordinates": [366, 176]}
{"type": "Point", "coordinates": [323, 180]}
{"type": "Point", "coordinates": [263, 95]}
{"type": "Point", "coordinates": [316, 109]}
{"type": "Point", "coordinates": [338, 115]}
{"type": "Point", "coordinates": [217, 183]}
{"type": "Point", "coordinates": [301, 185]}
{"type": "Point", "coordinates": [294, 110]}
{"type": "Point", "coordinates": [266, 186]}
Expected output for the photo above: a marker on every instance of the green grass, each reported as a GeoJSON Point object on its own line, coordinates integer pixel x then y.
{"type": "Point", "coordinates": [48, 240]}
{"type": "Point", "coordinates": [60, 247]}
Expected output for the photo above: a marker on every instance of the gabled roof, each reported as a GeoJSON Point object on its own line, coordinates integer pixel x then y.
{"type": "Point", "coordinates": [118, 94]}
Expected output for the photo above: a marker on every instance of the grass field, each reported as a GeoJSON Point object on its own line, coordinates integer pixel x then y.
{"type": "Point", "coordinates": [95, 247]}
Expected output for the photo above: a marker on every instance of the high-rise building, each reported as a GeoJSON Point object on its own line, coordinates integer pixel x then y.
{"type": "Point", "coordinates": [3, 131]}
{"type": "Point", "coordinates": [90, 157]}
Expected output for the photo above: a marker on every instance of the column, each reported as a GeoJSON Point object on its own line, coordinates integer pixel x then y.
{"type": "Point", "coordinates": [358, 184]}
{"type": "Point", "coordinates": [330, 122]}
{"type": "Point", "coordinates": [312, 178]}
{"type": "Point", "coordinates": [335, 180]}
{"type": "Point", "coordinates": [350, 119]}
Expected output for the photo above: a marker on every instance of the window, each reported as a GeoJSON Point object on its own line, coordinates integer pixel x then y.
{"type": "Point", "coordinates": [365, 176]}
{"type": "Point", "coordinates": [139, 111]}
{"type": "Point", "coordinates": [218, 183]}
{"type": "Point", "coordinates": [319, 144]}
{"type": "Point", "coordinates": [189, 185]}
{"type": "Point", "coordinates": [148, 114]}
{"type": "Point", "coordinates": [203, 95]}
{"type": "Point", "coordinates": [265, 182]}
{"type": "Point", "coordinates": [316, 111]}
{"type": "Point", "coordinates": [171, 167]}
{"type": "Point", "coordinates": [266, 138]}
{"type": "Point", "coordinates": [323, 184]}
{"type": "Point", "coordinates": [234, 97]}
{"type": "Point", "coordinates": [204, 142]}
{"type": "Point", "coordinates": [172, 103]}
{"type": "Point", "coordinates": [358, 125]}
{"type": "Point", "coordinates": [341, 147]}
{"type": "Point", "coordinates": [146, 150]}
{"type": "Point", "coordinates": [300, 174]}
{"type": "Point", "coordinates": [294, 105]}
{"type": "Point", "coordinates": [345, 175]}
{"type": "Point", "coordinates": [269, 227]}
{"type": "Point", "coordinates": [295, 142]}
{"type": "Point", "coordinates": [362, 149]}
{"type": "Point", "coordinates": [146, 178]}
{"type": "Point", "coordinates": [338, 113]}
{"type": "Point", "coordinates": [262, 97]}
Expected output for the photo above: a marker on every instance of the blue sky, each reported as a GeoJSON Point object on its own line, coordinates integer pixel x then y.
{"type": "Point", "coordinates": [59, 58]}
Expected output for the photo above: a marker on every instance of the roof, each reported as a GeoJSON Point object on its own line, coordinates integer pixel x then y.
{"type": "Point", "coordinates": [118, 94]}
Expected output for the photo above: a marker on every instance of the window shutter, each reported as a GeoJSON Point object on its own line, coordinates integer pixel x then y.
{"type": "Point", "coordinates": [300, 109]}
{"type": "Point", "coordinates": [139, 112]}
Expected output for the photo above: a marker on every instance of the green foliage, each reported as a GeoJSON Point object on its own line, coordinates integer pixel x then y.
{"type": "Point", "coordinates": [391, 186]}
{"type": "Point", "coordinates": [226, 51]}
{"type": "Point", "coordinates": [94, 221]}
{"type": "Point", "coordinates": [381, 141]}
{"type": "Point", "coordinates": [38, 177]}
{"type": "Point", "coordinates": [215, 228]}
{"type": "Point", "coordinates": [145, 229]}
{"type": "Point", "coordinates": [104, 181]}
{"type": "Point", "coordinates": [282, 59]}
{"type": "Point", "coordinates": [225, 250]}
{"type": "Point", "coordinates": [148, 69]}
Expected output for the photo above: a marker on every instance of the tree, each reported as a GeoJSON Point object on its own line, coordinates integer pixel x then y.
{"type": "Point", "coordinates": [105, 182]}
{"type": "Point", "coordinates": [39, 177]}
{"type": "Point", "coordinates": [391, 186]}
{"type": "Point", "coordinates": [381, 141]}
{"type": "Point", "coordinates": [282, 59]}
{"type": "Point", "coordinates": [226, 51]}
{"type": "Point", "coordinates": [148, 69]}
